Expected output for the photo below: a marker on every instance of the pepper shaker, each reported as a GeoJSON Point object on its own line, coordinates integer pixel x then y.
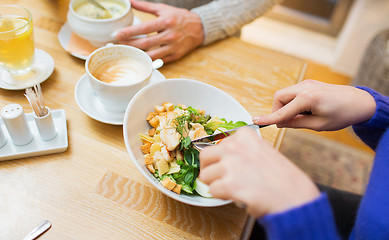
{"type": "Point", "coordinates": [16, 123]}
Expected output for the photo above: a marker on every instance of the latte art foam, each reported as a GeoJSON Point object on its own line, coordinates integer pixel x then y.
{"type": "Point", "coordinates": [120, 72]}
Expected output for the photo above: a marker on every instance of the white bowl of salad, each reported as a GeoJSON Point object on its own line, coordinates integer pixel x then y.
{"type": "Point", "coordinates": [159, 123]}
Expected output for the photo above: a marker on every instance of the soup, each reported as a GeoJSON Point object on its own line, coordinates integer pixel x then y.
{"type": "Point", "coordinates": [89, 10]}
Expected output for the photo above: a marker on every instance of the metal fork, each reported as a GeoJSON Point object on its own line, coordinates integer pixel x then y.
{"type": "Point", "coordinates": [199, 146]}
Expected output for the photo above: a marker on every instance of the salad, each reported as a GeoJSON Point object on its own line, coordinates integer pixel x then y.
{"type": "Point", "coordinates": [168, 152]}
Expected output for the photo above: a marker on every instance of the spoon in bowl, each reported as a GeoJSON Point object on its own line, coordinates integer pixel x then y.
{"type": "Point", "coordinates": [97, 4]}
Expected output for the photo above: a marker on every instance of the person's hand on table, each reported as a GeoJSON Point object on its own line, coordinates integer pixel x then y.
{"type": "Point", "coordinates": [332, 107]}
{"type": "Point", "coordinates": [178, 31]}
{"type": "Point", "coordinates": [246, 169]}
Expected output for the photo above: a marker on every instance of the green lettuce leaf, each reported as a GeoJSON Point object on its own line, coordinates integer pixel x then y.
{"type": "Point", "coordinates": [229, 125]}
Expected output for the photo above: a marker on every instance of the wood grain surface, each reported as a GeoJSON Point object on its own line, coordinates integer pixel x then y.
{"type": "Point", "coordinates": [93, 190]}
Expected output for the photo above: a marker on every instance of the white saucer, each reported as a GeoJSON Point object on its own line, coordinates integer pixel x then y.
{"type": "Point", "coordinates": [42, 68]}
{"type": "Point", "coordinates": [65, 33]}
{"type": "Point", "coordinates": [91, 105]}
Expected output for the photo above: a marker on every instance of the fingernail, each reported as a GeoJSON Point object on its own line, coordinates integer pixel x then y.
{"type": "Point", "coordinates": [119, 35]}
{"type": "Point", "coordinates": [256, 119]}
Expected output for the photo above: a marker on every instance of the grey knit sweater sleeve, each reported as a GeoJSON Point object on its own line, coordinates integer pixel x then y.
{"type": "Point", "coordinates": [224, 18]}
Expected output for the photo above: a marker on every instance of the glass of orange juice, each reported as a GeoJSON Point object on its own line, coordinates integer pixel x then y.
{"type": "Point", "coordinates": [16, 40]}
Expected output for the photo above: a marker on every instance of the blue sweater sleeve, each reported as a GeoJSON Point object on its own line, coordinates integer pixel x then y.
{"type": "Point", "coordinates": [371, 131]}
{"type": "Point", "coordinates": [313, 220]}
{"type": "Point", "coordinates": [373, 214]}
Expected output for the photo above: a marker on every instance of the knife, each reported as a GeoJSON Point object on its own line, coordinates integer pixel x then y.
{"type": "Point", "coordinates": [221, 135]}
{"type": "Point", "coordinates": [43, 227]}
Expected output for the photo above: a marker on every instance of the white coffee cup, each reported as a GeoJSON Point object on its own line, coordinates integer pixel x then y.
{"type": "Point", "coordinates": [128, 67]}
{"type": "Point", "coordinates": [98, 32]}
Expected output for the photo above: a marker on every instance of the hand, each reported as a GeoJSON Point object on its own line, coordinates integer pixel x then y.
{"type": "Point", "coordinates": [178, 31]}
{"type": "Point", "coordinates": [246, 169]}
{"type": "Point", "coordinates": [333, 107]}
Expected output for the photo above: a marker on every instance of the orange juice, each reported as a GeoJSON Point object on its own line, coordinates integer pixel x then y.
{"type": "Point", "coordinates": [16, 42]}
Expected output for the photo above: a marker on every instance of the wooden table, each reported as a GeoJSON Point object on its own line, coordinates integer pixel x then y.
{"type": "Point", "coordinates": [93, 190]}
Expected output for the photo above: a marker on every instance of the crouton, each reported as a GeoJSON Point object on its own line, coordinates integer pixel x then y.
{"type": "Point", "coordinates": [145, 148]}
{"type": "Point", "coordinates": [177, 188]}
{"type": "Point", "coordinates": [151, 115]}
{"type": "Point", "coordinates": [159, 109]}
{"type": "Point", "coordinates": [168, 106]}
{"type": "Point", "coordinates": [148, 159]}
{"type": "Point", "coordinates": [168, 183]}
{"type": "Point", "coordinates": [150, 168]}
{"type": "Point", "coordinates": [154, 122]}
{"type": "Point", "coordinates": [162, 166]}
{"type": "Point", "coordinates": [151, 132]}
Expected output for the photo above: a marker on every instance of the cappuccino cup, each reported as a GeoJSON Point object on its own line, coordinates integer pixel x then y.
{"type": "Point", "coordinates": [117, 72]}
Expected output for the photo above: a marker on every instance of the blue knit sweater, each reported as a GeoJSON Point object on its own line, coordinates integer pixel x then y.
{"type": "Point", "coordinates": [315, 220]}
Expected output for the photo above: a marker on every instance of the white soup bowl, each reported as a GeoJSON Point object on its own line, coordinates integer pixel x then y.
{"type": "Point", "coordinates": [98, 31]}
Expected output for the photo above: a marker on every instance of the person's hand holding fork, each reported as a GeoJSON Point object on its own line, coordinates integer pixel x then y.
{"type": "Point", "coordinates": [246, 169]}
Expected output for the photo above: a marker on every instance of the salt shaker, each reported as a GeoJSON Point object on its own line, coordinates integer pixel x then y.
{"type": "Point", "coordinates": [16, 123]}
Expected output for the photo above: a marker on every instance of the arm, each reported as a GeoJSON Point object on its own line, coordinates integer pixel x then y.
{"type": "Point", "coordinates": [246, 169]}
{"type": "Point", "coordinates": [177, 31]}
{"type": "Point", "coordinates": [224, 18]}
{"type": "Point", "coordinates": [314, 220]}
{"type": "Point", "coordinates": [371, 131]}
